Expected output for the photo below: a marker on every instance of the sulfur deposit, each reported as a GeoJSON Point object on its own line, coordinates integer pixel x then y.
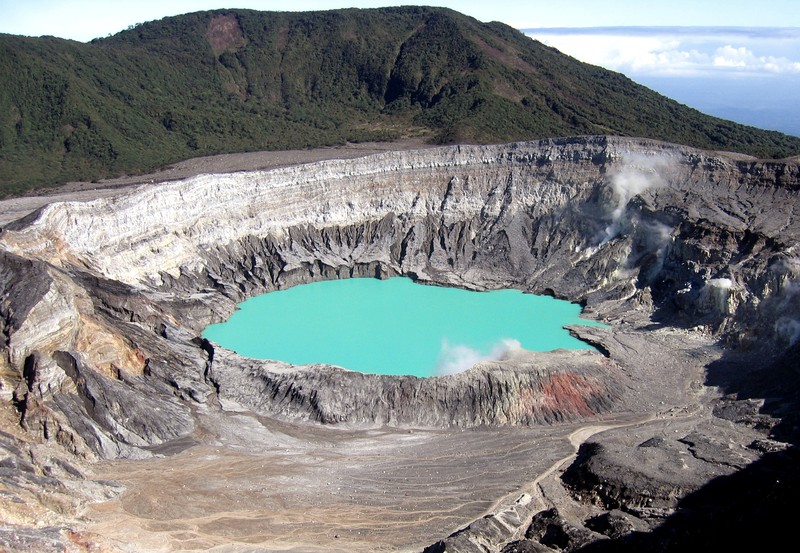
{"type": "Point", "coordinates": [690, 256]}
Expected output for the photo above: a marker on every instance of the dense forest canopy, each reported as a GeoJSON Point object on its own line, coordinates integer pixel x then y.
{"type": "Point", "coordinates": [241, 80]}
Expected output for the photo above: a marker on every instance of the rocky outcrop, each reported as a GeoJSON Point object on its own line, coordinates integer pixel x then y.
{"type": "Point", "coordinates": [103, 301]}
{"type": "Point", "coordinates": [484, 534]}
{"type": "Point", "coordinates": [656, 474]}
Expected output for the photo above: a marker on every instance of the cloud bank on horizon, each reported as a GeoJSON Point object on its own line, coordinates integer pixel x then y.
{"type": "Point", "coordinates": [680, 51]}
{"type": "Point", "coordinates": [747, 74]}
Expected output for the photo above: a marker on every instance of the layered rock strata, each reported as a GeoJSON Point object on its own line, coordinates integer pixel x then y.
{"type": "Point", "coordinates": [103, 301]}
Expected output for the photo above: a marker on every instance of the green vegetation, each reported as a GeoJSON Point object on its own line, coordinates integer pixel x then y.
{"type": "Point", "coordinates": [240, 80]}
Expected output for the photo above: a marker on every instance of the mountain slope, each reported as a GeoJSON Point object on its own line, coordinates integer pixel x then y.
{"type": "Point", "coordinates": [238, 80]}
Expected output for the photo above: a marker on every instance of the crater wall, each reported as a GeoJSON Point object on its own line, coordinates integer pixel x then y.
{"type": "Point", "coordinates": [103, 301]}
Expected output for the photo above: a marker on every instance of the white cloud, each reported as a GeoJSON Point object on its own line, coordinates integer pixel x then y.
{"type": "Point", "coordinates": [680, 51]}
{"type": "Point", "coordinates": [743, 58]}
{"type": "Point", "coordinates": [728, 56]}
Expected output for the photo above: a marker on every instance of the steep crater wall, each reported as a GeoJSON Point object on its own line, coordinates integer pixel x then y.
{"type": "Point", "coordinates": [122, 287]}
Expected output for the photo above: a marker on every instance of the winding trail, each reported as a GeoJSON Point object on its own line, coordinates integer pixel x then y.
{"type": "Point", "coordinates": [531, 499]}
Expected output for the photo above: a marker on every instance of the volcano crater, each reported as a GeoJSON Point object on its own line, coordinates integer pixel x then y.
{"type": "Point", "coordinates": [689, 256]}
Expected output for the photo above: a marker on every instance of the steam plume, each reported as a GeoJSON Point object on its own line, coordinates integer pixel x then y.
{"type": "Point", "coordinates": [788, 330]}
{"type": "Point", "coordinates": [456, 358]}
{"type": "Point", "coordinates": [637, 175]}
{"type": "Point", "coordinates": [787, 326]}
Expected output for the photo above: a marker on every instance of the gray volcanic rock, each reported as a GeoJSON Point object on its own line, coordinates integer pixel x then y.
{"type": "Point", "coordinates": [614, 524]}
{"type": "Point", "coordinates": [570, 386]}
{"type": "Point", "coordinates": [649, 479]}
{"type": "Point", "coordinates": [103, 303]}
{"type": "Point", "coordinates": [484, 534]}
{"type": "Point", "coordinates": [550, 529]}
{"type": "Point", "coordinates": [526, 546]}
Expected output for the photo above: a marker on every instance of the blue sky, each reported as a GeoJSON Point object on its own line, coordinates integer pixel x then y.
{"type": "Point", "coordinates": [738, 59]}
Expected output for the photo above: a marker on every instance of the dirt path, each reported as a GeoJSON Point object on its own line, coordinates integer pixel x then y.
{"type": "Point", "coordinates": [533, 493]}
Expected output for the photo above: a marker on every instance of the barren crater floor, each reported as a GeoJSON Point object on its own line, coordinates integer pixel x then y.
{"type": "Point", "coordinates": [379, 490]}
{"type": "Point", "coordinates": [124, 429]}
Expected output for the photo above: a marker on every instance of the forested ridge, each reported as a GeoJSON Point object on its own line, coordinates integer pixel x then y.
{"type": "Point", "coordinates": [241, 80]}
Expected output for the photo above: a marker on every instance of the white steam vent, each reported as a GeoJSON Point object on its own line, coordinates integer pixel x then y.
{"type": "Point", "coordinates": [637, 174]}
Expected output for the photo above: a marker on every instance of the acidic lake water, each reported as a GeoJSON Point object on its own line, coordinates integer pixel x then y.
{"type": "Point", "coordinates": [395, 326]}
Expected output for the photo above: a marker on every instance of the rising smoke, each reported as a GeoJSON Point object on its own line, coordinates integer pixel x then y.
{"type": "Point", "coordinates": [787, 326]}
{"type": "Point", "coordinates": [715, 294]}
{"type": "Point", "coordinates": [787, 330]}
{"type": "Point", "coordinates": [456, 358]}
{"type": "Point", "coordinates": [637, 174]}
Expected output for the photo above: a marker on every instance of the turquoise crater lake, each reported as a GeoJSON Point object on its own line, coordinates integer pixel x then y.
{"type": "Point", "coordinates": [395, 326]}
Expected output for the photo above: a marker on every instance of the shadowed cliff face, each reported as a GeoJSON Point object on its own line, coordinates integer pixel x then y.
{"type": "Point", "coordinates": [116, 291]}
